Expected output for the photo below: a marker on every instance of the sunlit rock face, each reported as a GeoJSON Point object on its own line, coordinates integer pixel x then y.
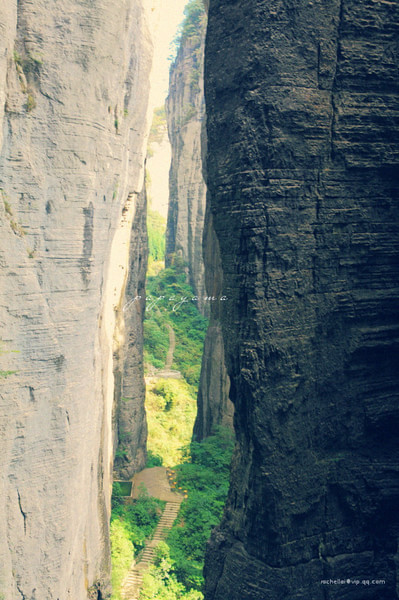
{"type": "Point", "coordinates": [303, 186]}
{"type": "Point", "coordinates": [185, 110]}
{"type": "Point", "coordinates": [73, 103]}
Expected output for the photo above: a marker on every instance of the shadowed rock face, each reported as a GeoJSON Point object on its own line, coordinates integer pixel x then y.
{"type": "Point", "coordinates": [73, 103]}
{"type": "Point", "coordinates": [214, 408]}
{"type": "Point", "coordinates": [303, 187]}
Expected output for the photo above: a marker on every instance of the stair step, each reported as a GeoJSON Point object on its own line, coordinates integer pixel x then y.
{"type": "Point", "coordinates": [134, 579]}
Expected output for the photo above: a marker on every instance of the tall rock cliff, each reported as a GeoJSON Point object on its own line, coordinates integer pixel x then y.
{"type": "Point", "coordinates": [129, 414]}
{"type": "Point", "coordinates": [214, 407]}
{"type": "Point", "coordinates": [185, 109]}
{"type": "Point", "coordinates": [73, 103]}
{"type": "Point", "coordinates": [302, 105]}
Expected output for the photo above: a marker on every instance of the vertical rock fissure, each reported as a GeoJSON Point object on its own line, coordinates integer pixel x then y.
{"type": "Point", "coordinates": [23, 597]}
{"type": "Point", "coordinates": [23, 513]}
{"type": "Point", "coordinates": [334, 107]}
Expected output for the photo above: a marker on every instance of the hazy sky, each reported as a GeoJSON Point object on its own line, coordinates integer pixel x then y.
{"type": "Point", "coordinates": [167, 15]}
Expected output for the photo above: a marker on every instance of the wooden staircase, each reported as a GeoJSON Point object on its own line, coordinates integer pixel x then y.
{"type": "Point", "coordinates": [134, 579]}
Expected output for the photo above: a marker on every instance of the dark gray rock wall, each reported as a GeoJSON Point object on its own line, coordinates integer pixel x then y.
{"type": "Point", "coordinates": [214, 408]}
{"type": "Point", "coordinates": [302, 160]}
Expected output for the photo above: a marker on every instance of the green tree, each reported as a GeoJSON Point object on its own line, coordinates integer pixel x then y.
{"type": "Point", "coordinates": [122, 552]}
{"type": "Point", "coordinates": [156, 226]}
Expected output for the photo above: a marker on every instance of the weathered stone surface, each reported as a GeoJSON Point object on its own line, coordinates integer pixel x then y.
{"type": "Point", "coordinates": [73, 103]}
{"type": "Point", "coordinates": [302, 111]}
{"type": "Point", "coordinates": [130, 419]}
{"type": "Point", "coordinates": [214, 405]}
{"type": "Point", "coordinates": [185, 109]}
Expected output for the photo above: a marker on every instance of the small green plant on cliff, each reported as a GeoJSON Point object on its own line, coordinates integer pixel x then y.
{"type": "Point", "coordinates": [17, 228]}
{"type": "Point", "coordinates": [4, 374]}
{"type": "Point", "coordinates": [30, 102]}
{"type": "Point", "coordinates": [7, 207]}
{"type": "Point", "coordinates": [189, 113]}
{"type": "Point", "coordinates": [17, 58]}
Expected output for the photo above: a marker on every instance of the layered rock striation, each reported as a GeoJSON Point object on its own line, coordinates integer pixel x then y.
{"type": "Point", "coordinates": [73, 104]}
{"type": "Point", "coordinates": [185, 110]}
{"type": "Point", "coordinates": [129, 418]}
{"type": "Point", "coordinates": [302, 172]}
{"type": "Point", "coordinates": [214, 407]}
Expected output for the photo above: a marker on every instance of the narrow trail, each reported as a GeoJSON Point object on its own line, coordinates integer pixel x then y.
{"type": "Point", "coordinates": [156, 482]}
{"type": "Point", "coordinates": [171, 349]}
{"type": "Point", "coordinates": [167, 372]}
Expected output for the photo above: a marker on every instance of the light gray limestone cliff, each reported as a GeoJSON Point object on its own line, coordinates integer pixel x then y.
{"type": "Point", "coordinates": [73, 103]}
{"type": "Point", "coordinates": [185, 110]}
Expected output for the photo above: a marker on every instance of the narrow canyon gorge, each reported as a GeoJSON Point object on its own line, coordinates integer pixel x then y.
{"type": "Point", "coordinates": [283, 210]}
{"type": "Point", "coordinates": [189, 234]}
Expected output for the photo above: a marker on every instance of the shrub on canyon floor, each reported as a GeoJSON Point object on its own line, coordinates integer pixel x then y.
{"type": "Point", "coordinates": [122, 552]}
{"type": "Point", "coordinates": [205, 475]}
{"type": "Point", "coordinates": [160, 581]}
{"type": "Point", "coordinates": [131, 524]}
{"type": "Point", "coordinates": [171, 408]}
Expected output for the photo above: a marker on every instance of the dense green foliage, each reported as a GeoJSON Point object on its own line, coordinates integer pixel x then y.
{"type": "Point", "coordinates": [160, 581]}
{"type": "Point", "coordinates": [171, 408]}
{"type": "Point", "coordinates": [122, 552]}
{"type": "Point", "coordinates": [131, 524]}
{"type": "Point", "coordinates": [177, 573]}
{"type": "Point", "coordinates": [171, 300]}
{"type": "Point", "coordinates": [156, 225]}
{"type": "Point", "coordinates": [194, 18]}
{"type": "Point", "coordinates": [190, 29]}
{"type": "Point", "coordinates": [206, 477]}
{"type": "Point", "coordinates": [140, 517]}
